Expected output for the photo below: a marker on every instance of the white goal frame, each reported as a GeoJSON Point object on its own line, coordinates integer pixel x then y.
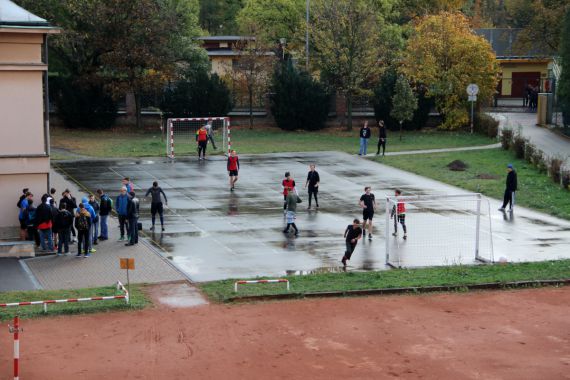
{"type": "Point", "coordinates": [171, 126]}
{"type": "Point", "coordinates": [479, 201]}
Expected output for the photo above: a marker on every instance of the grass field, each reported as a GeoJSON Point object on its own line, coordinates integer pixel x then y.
{"type": "Point", "coordinates": [440, 276]}
{"type": "Point", "coordinates": [536, 190]}
{"type": "Point", "coordinates": [70, 143]}
{"type": "Point", "coordinates": [138, 300]}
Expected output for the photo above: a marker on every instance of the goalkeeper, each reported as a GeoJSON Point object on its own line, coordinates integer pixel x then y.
{"type": "Point", "coordinates": [399, 216]}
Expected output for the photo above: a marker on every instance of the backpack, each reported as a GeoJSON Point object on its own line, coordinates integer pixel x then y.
{"type": "Point", "coordinates": [82, 222]}
{"type": "Point", "coordinates": [30, 216]}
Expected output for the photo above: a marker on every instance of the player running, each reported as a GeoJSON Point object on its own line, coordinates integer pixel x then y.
{"type": "Point", "coordinates": [352, 234]}
{"type": "Point", "coordinates": [368, 204]}
{"type": "Point", "coordinates": [313, 181]}
{"type": "Point", "coordinates": [202, 142]}
{"type": "Point", "coordinates": [233, 168]}
{"type": "Point", "coordinates": [287, 183]}
{"type": "Point", "coordinates": [401, 214]}
{"type": "Point", "coordinates": [156, 204]}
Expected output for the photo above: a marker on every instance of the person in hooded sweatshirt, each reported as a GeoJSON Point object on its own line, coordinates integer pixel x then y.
{"type": "Point", "coordinates": [44, 223]}
{"type": "Point", "coordinates": [121, 206]}
{"type": "Point", "coordinates": [93, 217]}
{"type": "Point", "coordinates": [82, 223]}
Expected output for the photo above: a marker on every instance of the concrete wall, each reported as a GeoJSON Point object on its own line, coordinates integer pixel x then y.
{"type": "Point", "coordinates": [24, 160]}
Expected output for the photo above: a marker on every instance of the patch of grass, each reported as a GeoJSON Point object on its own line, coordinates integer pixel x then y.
{"type": "Point", "coordinates": [440, 276]}
{"type": "Point", "coordinates": [259, 140]}
{"type": "Point", "coordinates": [536, 189]}
{"type": "Point", "coordinates": [138, 301]}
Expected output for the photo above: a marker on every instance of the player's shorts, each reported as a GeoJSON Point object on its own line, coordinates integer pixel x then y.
{"type": "Point", "coordinates": [233, 173]}
{"type": "Point", "coordinates": [402, 218]}
{"type": "Point", "coordinates": [313, 189]}
{"type": "Point", "coordinates": [366, 214]}
{"type": "Point", "coordinates": [156, 208]}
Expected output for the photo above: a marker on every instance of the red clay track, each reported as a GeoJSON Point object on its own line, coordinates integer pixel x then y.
{"type": "Point", "coordinates": [522, 334]}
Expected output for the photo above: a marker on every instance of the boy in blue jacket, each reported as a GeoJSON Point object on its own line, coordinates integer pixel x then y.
{"type": "Point", "coordinates": [121, 204]}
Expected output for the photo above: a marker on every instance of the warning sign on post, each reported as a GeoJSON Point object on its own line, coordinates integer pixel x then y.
{"type": "Point", "coordinates": [127, 263]}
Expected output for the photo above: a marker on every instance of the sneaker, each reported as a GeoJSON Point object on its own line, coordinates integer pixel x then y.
{"type": "Point", "coordinates": [394, 234]}
{"type": "Point", "coordinates": [405, 236]}
{"type": "Point", "coordinates": [59, 254]}
{"type": "Point", "coordinates": [163, 229]}
{"type": "Point", "coordinates": [369, 236]}
{"type": "Point", "coordinates": [152, 228]}
{"type": "Point", "coordinates": [95, 242]}
{"type": "Point", "coordinates": [121, 238]}
{"type": "Point", "coordinates": [78, 255]}
{"type": "Point", "coordinates": [92, 250]}
{"type": "Point", "coordinates": [501, 209]}
{"type": "Point", "coordinates": [87, 255]}
{"type": "Point", "coordinates": [343, 261]}
{"type": "Point", "coordinates": [296, 233]}
{"type": "Point", "coordinates": [285, 231]}
{"type": "Point", "coordinates": [129, 244]}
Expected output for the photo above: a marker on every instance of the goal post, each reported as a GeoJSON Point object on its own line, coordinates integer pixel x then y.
{"type": "Point", "coordinates": [181, 134]}
{"type": "Point", "coordinates": [441, 230]}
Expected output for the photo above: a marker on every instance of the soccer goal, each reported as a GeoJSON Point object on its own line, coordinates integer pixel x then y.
{"type": "Point", "coordinates": [181, 134]}
{"type": "Point", "coordinates": [441, 230]}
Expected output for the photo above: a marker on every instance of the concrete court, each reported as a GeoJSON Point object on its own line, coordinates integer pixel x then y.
{"type": "Point", "coordinates": [212, 233]}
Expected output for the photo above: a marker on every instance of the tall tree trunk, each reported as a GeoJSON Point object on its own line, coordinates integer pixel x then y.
{"type": "Point", "coordinates": [138, 116]}
{"type": "Point", "coordinates": [349, 111]}
{"type": "Point", "coordinates": [250, 93]}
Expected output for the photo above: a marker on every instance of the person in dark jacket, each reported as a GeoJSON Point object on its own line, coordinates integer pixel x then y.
{"type": "Point", "coordinates": [121, 204]}
{"type": "Point", "coordinates": [381, 138]}
{"type": "Point", "coordinates": [105, 208]}
{"type": "Point", "coordinates": [156, 204]}
{"type": "Point", "coordinates": [96, 207]}
{"type": "Point", "coordinates": [365, 134]}
{"type": "Point", "coordinates": [30, 219]}
{"type": "Point", "coordinates": [313, 181]}
{"type": "Point", "coordinates": [511, 188]}
{"type": "Point", "coordinates": [54, 227]}
{"type": "Point", "coordinates": [133, 216]}
{"type": "Point", "coordinates": [83, 225]}
{"type": "Point", "coordinates": [44, 223]}
{"type": "Point", "coordinates": [63, 221]}
{"type": "Point", "coordinates": [70, 205]}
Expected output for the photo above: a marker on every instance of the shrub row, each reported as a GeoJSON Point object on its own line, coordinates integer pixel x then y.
{"type": "Point", "coordinates": [524, 149]}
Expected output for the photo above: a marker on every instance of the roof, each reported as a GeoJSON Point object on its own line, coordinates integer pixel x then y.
{"type": "Point", "coordinates": [225, 38]}
{"type": "Point", "coordinates": [12, 15]}
{"type": "Point", "coordinates": [503, 41]}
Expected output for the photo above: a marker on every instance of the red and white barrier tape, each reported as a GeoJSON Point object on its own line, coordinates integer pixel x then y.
{"type": "Point", "coordinates": [243, 282]}
{"type": "Point", "coordinates": [15, 329]}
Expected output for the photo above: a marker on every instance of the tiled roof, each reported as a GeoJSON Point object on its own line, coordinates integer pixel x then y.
{"type": "Point", "coordinates": [503, 41]}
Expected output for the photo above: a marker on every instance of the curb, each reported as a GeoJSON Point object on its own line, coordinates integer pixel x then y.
{"type": "Point", "coordinates": [407, 290]}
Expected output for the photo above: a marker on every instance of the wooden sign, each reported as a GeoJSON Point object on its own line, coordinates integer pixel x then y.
{"type": "Point", "coordinates": [127, 263]}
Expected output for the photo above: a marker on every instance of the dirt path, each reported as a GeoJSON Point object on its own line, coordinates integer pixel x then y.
{"type": "Point", "coordinates": [494, 335]}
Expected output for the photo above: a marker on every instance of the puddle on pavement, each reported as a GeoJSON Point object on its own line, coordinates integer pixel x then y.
{"type": "Point", "coordinates": [539, 222]}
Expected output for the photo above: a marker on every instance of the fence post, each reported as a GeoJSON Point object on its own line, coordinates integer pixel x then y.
{"type": "Point", "coordinates": [15, 329]}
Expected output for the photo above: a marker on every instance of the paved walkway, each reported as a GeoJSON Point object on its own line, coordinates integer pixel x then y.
{"type": "Point", "coordinates": [69, 272]}
{"type": "Point", "coordinates": [549, 142]}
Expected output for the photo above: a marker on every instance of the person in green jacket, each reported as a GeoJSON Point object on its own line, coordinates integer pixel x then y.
{"type": "Point", "coordinates": [291, 204]}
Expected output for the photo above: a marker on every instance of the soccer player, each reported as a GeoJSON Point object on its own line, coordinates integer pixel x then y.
{"type": "Point", "coordinates": [291, 204]}
{"type": "Point", "coordinates": [352, 234]}
{"type": "Point", "coordinates": [210, 131]}
{"type": "Point", "coordinates": [287, 183]}
{"type": "Point", "coordinates": [368, 204]}
{"type": "Point", "coordinates": [511, 187]}
{"type": "Point", "coordinates": [233, 168]}
{"type": "Point", "coordinates": [156, 204]}
{"type": "Point", "coordinates": [202, 142]}
{"type": "Point", "coordinates": [313, 181]}
{"type": "Point", "coordinates": [401, 207]}
{"type": "Point", "coordinates": [381, 138]}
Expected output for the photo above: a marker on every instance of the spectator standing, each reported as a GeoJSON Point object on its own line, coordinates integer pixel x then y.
{"type": "Point", "coordinates": [156, 204]}
{"type": "Point", "coordinates": [121, 206]}
{"type": "Point", "coordinates": [54, 228]}
{"type": "Point", "coordinates": [83, 224]}
{"type": "Point", "coordinates": [92, 216]}
{"type": "Point", "coordinates": [44, 224]}
{"type": "Point", "coordinates": [105, 208]}
{"type": "Point", "coordinates": [70, 205]}
{"type": "Point", "coordinates": [129, 185]}
{"type": "Point", "coordinates": [510, 189]}
{"type": "Point", "coordinates": [23, 206]}
{"type": "Point", "coordinates": [381, 138]}
{"type": "Point", "coordinates": [63, 221]}
{"type": "Point", "coordinates": [365, 134]}
{"type": "Point", "coordinates": [95, 205]}
{"type": "Point", "coordinates": [313, 181]}
{"type": "Point", "coordinates": [31, 222]}
{"type": "Point", "coordinates": [133, 216]}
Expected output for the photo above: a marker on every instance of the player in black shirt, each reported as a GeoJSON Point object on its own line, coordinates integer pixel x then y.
{"type": "Point", "coordinates": [352, 234]}
{"type": "Point", "coordinates": [368, 204]}
{"type": "Point", "coordinates": [313, 181]}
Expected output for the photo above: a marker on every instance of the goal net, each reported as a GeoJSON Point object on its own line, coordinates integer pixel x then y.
{"type": "Point", "coordinates": [181, 135]}
{"type": "Point", "coordinates": [440, 230]}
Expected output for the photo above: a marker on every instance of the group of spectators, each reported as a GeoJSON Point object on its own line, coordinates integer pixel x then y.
{"type": "Point", "coordinates": [365, 134]}
{"type": "Point", "coordinates": [54, 226]}
{"type": "Point", "coordinates": [531, 97]}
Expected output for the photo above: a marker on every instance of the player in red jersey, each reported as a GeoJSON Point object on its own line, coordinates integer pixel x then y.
{"type": "Point", "coordinates": [401, 215]}
{"type": "Point", "coordinates": [233, 168]}
{"type": "Point", "coordinates": [287, 183]}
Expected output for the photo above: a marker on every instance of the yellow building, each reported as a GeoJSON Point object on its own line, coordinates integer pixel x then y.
{"type": "Point", "coordinates": [24, 121]}
{"type": "Point", "coordinates": [223, 52]}
{"type": "Point", "coordinates": [519, 69]}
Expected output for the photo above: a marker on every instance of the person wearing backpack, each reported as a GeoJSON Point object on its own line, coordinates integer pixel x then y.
{"type": "Point", "coordinates": [93, 217]}
{"type": "Point", "coordinates": [93, 203]}
{"type": "Point", "coordinates": [44, 223]}
{"type": "Point", "coordinates": [133, 216]}
{"type": "Point", "coordinates": [63, 221]}
{"type": "Point", "coordinates": [29, 217]}
{"type": "Point", "coordinates": [83, 225]}
{"type": "Point", "coordinates": [22, 197]}
{"type": "Point", "coordinates": [105, 207]}
{"type": "Point", "coordinates": [23, 205]}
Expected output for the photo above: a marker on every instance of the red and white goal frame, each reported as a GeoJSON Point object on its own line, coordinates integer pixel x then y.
{"type": "Point", "coordinates": [182, 131]}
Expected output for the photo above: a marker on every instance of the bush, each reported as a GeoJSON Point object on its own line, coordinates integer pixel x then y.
{"type": "Point", "coordinates": [506, 138]}
{"type": "Point", "coordinates": [565, 179]}
{"type": "Point", "coordinates": [82, 105]}
{"type": "Point", "coordinates": [197, 94]}
{"type": "Point", "coordinates": [485, 125]}
{"type": "Point", "coordinates": [540, 161]}
{"type": "Point", "coordinates": [298, 101]}
{"type": "Point", "coordinates": [554, 169]}
{"type": "Point", "coordinates": [529, 152]}
{"type": "Point", "coordinates": [518, 145]}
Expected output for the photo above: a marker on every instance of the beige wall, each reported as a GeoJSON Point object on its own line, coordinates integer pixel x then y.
{"type": "Point", "coordinates": [509, 68]}
{"type": "Point", "coordinates": [23, 156]}
{"type": "Point", "coordinates": [221, 65]}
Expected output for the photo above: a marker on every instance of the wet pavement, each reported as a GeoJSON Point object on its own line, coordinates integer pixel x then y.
{"type": "Point", "coordinates": [14, 275]}
{"type": "Point", "coordinates": [212, 233]}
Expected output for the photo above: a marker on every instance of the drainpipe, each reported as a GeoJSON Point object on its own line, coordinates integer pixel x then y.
{"type": "Point", "coordinates": [46, 110]}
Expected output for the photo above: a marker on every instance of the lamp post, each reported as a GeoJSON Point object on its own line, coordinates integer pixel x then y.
{"type": "Point", "coordinates": [283, 42]}
{"type": "Point", "coordinates": [307, 37]}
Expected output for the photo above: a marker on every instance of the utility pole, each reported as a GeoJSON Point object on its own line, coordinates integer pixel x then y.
{"type": "Point", "coordinates": [307, 37]}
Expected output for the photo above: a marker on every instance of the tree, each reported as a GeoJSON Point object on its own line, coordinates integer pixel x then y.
{"type": "Point", "coordinates": [404, 102]}
{"type": "Point", "coordinates": [252, 70]}
{"type": "Point", "coordinates": [444, 56]}
{"type": "Point", "coordinates": [298, 101]}
{"type": "Point", "coordinates": [564, 83]}
{"type": "Point", "coordinates": [410, 9]}
{"type": "Point", "coordinates": [218, 17]}
{"type": "Point", "coordinates": [346, 37]}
